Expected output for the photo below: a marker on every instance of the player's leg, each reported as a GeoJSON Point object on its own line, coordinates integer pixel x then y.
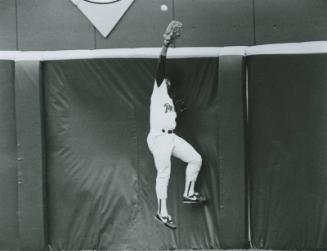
{"type": "Point", "coordinates": [184, 151]}
{"type": "Point", "coordinates": [163, 166]}
{"type": "Point", "coordinates": [161, 148]}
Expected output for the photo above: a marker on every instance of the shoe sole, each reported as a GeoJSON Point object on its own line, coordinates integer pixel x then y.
{"type": "Point", "coordinates": [194, 202]}
{"type": "Point", "coordinates": [166, 225]}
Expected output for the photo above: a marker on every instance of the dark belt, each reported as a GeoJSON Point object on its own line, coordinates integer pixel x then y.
{"type": "Point", "coordinates": [167, 131]}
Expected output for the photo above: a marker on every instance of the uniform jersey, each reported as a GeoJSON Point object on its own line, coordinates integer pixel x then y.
{"type": "Point", "coordinates": [162, 110]}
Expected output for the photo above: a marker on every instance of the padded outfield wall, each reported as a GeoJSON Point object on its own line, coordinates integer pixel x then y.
{"type": "Point", "coordinates": [8, 150]}
{"type": "Point", "coordinates": [77, 173]}
{"type": "Point", "coordinates": [101, 175]}
{"type": "Point", "coordinates": [85, 147]}
{"type": "Point", "coordinates": [287, 150]}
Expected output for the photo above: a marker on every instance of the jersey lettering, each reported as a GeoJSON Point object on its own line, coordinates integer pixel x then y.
{"type": "Point", "coordinates": [168, 107]}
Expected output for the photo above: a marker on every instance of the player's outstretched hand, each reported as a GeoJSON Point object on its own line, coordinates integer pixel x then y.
{"type": "Point", "coordinates": [173, 31]}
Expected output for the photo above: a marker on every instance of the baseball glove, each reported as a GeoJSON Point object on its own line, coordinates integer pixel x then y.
{"type": "Point", "coordinates": [173, 31]}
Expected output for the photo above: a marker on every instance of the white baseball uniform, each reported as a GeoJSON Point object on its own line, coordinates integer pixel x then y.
{"type": "Point", "coordinates": [163, 142]}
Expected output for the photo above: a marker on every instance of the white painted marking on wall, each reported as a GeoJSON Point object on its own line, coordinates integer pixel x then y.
{"type": "Point", "coordinates": [103, 14]}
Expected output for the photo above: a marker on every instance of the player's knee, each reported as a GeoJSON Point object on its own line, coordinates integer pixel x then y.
{"type": "Point", "coordinates": [196, 161]}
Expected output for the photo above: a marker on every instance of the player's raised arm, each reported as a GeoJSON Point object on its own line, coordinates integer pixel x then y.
{"type": "Point", "coordinates": [173, 31]}
{"type": "Point", "coordinates": [161, 67]}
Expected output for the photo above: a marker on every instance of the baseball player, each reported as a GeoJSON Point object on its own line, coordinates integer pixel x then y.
{"type": "Point", "coordinates": [162, 140]}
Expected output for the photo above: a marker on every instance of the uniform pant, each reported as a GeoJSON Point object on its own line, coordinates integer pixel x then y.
{"type": "Point", "coordinates": [163, 145]}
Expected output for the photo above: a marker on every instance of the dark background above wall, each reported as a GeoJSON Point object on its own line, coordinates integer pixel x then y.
{"type": "Point", "coordinates": [59, 25]}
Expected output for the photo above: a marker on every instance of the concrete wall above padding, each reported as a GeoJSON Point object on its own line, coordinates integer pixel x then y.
{"type": "Point", "coordinates": [284, 21]}
{"type": "Point", "coordinates": [142, 26]}
{"type": "Point", "coordinates": [59, 24]}
{"type": "Point", "coordinates": [212, 23]}
{"type": "Point", "coordinates": [52, 25]}
{"type": "Point", "coordinates": [7, 25]}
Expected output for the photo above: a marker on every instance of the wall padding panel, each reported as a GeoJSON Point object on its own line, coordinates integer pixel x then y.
{"type": "Point", "coordinates": [8, 155]}
{"type": "Point", "coordinates": [30, 158]}
{"type": "Point", "coordinates": [101, 174]}
{"type": "Point", "coordinates": [287, 146]}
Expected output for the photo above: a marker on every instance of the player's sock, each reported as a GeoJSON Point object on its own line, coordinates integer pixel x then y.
{"type": "Point", "coordinates": [189, 188]}
{"type": "Point", "coordinates": [162, 207]}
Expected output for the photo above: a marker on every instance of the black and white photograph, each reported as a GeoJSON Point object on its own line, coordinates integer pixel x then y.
{"type": "Point", "coordinates": [163, 125]}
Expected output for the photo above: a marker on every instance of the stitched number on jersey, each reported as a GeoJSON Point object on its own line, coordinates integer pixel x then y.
{"type": "Point", "coordinates": [168, 107]}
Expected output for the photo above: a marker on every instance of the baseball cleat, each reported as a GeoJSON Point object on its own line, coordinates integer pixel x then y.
{"type": "Point", "coordinates": [165, 220]}
{"type": "Point", "coordinates": [195, 198]}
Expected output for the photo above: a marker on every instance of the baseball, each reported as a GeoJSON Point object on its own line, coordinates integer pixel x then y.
{"type": "Point", "coordinates": [163, 7]}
